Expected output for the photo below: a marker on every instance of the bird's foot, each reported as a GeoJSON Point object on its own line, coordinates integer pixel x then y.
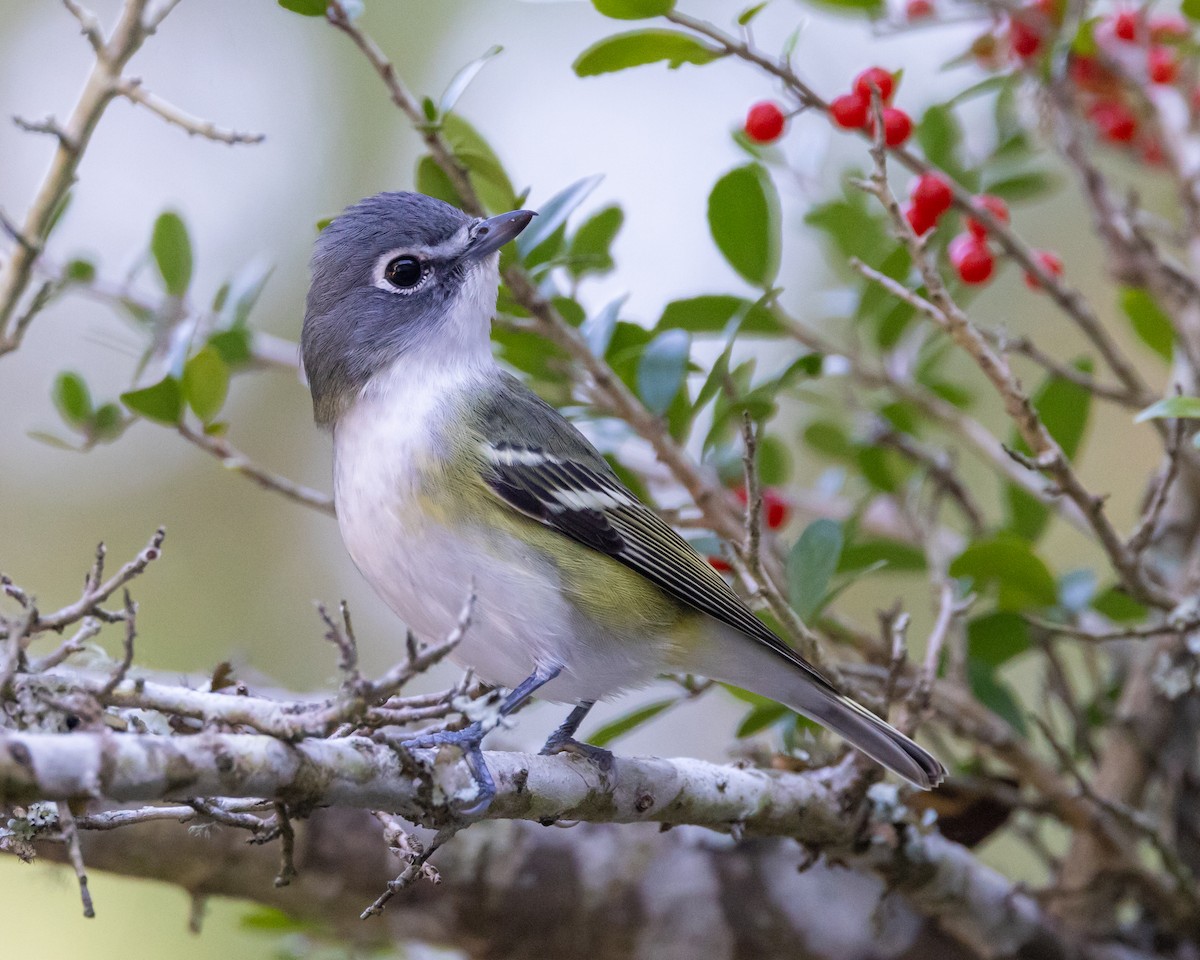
{"type": "Point", "coordinates": [601, 758]}
{"type": "Point", "coordinates": [469, 740]}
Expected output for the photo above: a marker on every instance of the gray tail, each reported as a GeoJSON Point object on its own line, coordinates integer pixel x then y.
{"type": "Point", "coordinates": [789, 680]}
{"type": "Point", "coordinates": [878, 739]}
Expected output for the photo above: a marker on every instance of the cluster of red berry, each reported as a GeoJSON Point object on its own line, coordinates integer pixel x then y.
{"type": "Point", "coordinates": [852, 111]}
{"type": "Point", "coordinates": [766, 121]}
{"type": "Point", "coordinates": [969, 253]}
{"type": "Point", "coordinates": [776, 512]}
{"type": "Point", "coordinates": [1129, 44]}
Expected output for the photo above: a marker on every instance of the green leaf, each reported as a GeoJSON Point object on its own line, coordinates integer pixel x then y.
{"type": "Point", "coordinates": [811, 564]}
{"type": "Point", "coordinates": [1023, 577]}
{"type": "Point", "coordinates": [1020, 185]}
{"type": "Point", "coordinates": [206, 383]}
{"type": "Point", "coordinates": [1150, 322]}
{"type": "Point", "coordinates": [760, 717]}
{"type": "Point", "coordinates": [233, 346]}
{"type": "Point", "coordinates": [484, 168]}
{"type": "Point", "coordinates": [662, 368]}
{"type": "Point", "coordinates": [554, 212]}
{"type": "Point", "coordinates": [711, 314]}
{"type": "Point", "coordinates": [1191, 9]}
{"type": "Point", "coordinates": [1118, 606]}
{"type": "Point", "coordinates": [995, 694]}
{"type": "Point", "coordinates": [871, 8]}
{"type": "Point", "coordinates": [628, 722]}
{"type": "Point", "coordinates": [172, 250]}
{"type": "Point", "coordinates": [162, 402]}
{"type": "Point", "coordinates": [80, 271]}
{"type": "Point", "coordinates": [598, 328]}
{"type": "Point", "coordinates": [590, 249]}
{"type": "Point", "coordinates": [774, 461]}
{"type": "Point", "coordinates": [1181, 408]}
{"type": "Point", "coordinates": [72, 398]}
{"type": "Point", "coordinates": [633, 9]}
{"type": "Point", "coordinates": [306, 8]}
{"type": "Point", "coordinates": [639, 47]}
{"type": "Point", "coordinates": [997, 637]}
{"type": "Point", "coordinates": [1064, 408]}
{"type": "Point", "coordinates": [461, 80]}
{"type": "Point", "coordinates": [940, 136]}
{"type": "Point", "coordinates": [750, 13]}
{"type": "Point", "coordinates": [432, 181]}
{"type": "Point", "coordinates": [893, 554]}
{"type": "Point", "coordinates": [743, 215]}
{"type": "Point", "coordinates": [854, 227]}
{"type": "Point", "coordinates": [107, 424]}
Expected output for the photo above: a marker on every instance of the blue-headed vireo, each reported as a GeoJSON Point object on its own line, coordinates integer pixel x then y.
{"type": "Point", "coordinates": [450, 472]}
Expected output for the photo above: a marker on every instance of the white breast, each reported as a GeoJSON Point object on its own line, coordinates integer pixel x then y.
{"type": "Point", "coordinates": [424, 569]}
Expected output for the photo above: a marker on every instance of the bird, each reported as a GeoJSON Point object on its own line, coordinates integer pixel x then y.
{"type": "Point", "coordinates": [450, 474]}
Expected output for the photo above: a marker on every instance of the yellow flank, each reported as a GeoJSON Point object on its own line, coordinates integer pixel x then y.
{"type": "Point", "coordinates": [452, 493]}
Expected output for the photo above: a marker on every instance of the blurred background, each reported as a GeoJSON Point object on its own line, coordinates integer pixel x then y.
{"type": "Point", "coordinates": [243, 567]}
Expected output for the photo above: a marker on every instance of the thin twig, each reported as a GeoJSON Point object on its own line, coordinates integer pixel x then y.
{"type": "Point", "coordinates": [287, 846]}
{"type": "Point", "coordinates": [122, 668]}
{"type": "Point", "coordinates": [71, 835]}
{"type": "Point", "coordinates": [414, 871]}
{"type": "Point", "coordinates": [132, 90]}
{"type": "Point", "coordinates": [233, 459]}
{"type": "Point", "coordinates": [96, 594]}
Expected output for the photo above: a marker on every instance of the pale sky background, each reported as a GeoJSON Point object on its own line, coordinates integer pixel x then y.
{"type": "Point", "coordinates": [242, 567]}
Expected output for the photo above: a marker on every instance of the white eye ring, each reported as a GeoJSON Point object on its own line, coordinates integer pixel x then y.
{"type": "Point", "coordinates": [385, 271]}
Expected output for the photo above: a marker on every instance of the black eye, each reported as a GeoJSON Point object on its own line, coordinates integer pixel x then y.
{"type": "Point", "coordinates": [403, 272]}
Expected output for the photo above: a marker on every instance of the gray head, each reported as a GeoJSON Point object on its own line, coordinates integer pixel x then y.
{"type": "Point", "coordinates": [394, 273]}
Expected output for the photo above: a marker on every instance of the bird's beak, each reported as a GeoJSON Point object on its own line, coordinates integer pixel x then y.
{"type": "Point", "coordinates": [491, 234]}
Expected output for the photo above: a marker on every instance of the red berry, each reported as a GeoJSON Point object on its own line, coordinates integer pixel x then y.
{"type": "Point", "coordinates": [931, 192]}
{"type": "Point", "coordinates": [1114, 121]}
{"type": "Point", "coordinates": [1152, 153]}
{"type": "Point", "coordinates": [719, 564]}
{"type": "Point", "coordinates": [1125, 25]}
{"type": "Point", "coordinates": [993, 205]}
{"type": "Point", "coordinates": [1052, 10]}
{"type": "Point", "coordinates": [897, 126]}
{"type": "Point", "coordinates": [918, 9]}
{"type": "Point", "coordinates": [1162, 65]}
{"type": "Point", "coordinates": [1048, 261]}
{"type": "Point", "coordinates": [919, 218]}
{"type": "Point", "coordinates": [776, 508]}
{"type": "Point", "coordinates": [765, 122]}
{"type": "Point", "coordinates": [875, 77]}
{"type": "Point", "coordinates": [849, 111]}
{"type": "Point", "coordinates": [1088, 73]}
{"type": "Point", "coordinates": [1169, 26]}
{"type": "Point", "coordinates": [1026, 39]}
{"type": "Point", "coordinates": [971, 258]}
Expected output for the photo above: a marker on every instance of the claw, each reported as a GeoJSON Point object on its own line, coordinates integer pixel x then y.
{"type": "Point", "coordinates": [469, 741]}
{"type": "Point", "coordinates": [602, 758]}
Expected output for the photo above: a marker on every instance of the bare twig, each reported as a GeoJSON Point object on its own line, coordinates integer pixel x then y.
{"type": "Point", "coordinates": [71, 835]}
{"type": "Point", "coordinates": [287, 846]}
{"type": "Point", "coordinates": [111, 56]}
{"type": "Point", "coordinates": [122, 668]}
{"type": "Point", "coordinates": [96, 593]}
{"type": "Point", "coordinates": [233, 459]}
{"type": "Point", "coordinates": [417, 868]}
{"type": "Point", "coordinates": [132, 90]}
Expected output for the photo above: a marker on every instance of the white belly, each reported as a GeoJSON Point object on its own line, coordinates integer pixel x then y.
{"type": "Point", "coordinates": [425, 570]}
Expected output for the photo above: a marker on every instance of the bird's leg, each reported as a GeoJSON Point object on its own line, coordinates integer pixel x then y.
{"type": "Point", "coordinates": [563, 739]}
{"type": "Point", "coordinates": [470, 738]}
